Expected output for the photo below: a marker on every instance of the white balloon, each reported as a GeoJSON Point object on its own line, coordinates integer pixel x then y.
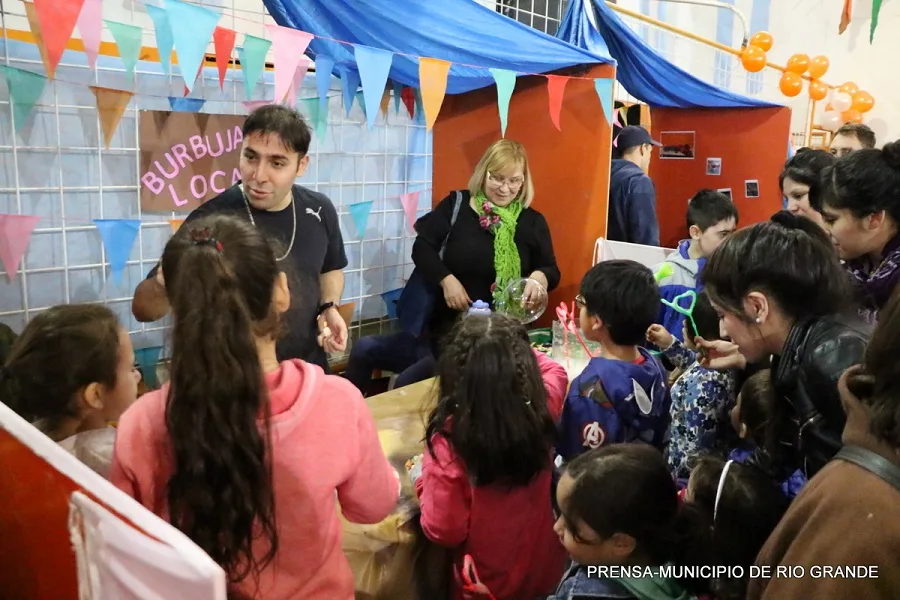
{"type": "Point", "coordinates": [842, 102]}
{"type": "Point", "coordinates": [831, 120]}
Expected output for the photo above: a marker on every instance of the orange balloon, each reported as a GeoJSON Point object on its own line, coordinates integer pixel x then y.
{"type": "Point", "coordinates": [817, 90]}
{"type": "Point", "coordinates": [791, 84]}
{"type": "Point", "coordinates": [849, 88]}
{"type": "Point", "coordinates": [754, 59]}
{"type": "Point", "coordinates": [798, 64]}
{"type": "Point", "coordinates": [762, 40]}
{"type": "Point", "coordinates": [852, 116]}
{"type": "Point", "coordinates": [818, 67]}
{"type": "Point", "coordinates": [863, 101]}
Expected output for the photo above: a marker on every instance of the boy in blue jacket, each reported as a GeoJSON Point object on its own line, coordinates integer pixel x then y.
{"type": "Point", "coordinates": [621, 396]}
{"type": "Point", "coordinates": [711, 217]}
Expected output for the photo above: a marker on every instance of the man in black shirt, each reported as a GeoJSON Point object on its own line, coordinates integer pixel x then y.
{"type": "Point", "coordinates": [305, 223]}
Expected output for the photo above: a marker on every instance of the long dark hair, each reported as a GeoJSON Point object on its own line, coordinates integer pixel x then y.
{"type": "Point", "coordinates": [789, 258]}
{"type": "Point", "coordinates": [865, 182]}
{"type": "Point", "coordinates": [61, 351]}
{"type": "Point", "coordinates": [805, 166]}
{"type": "Point", "coordinates": [750, 507]}
{"type": "Point", "coordinates": [492, 404]}
{"type": "Point", "coordinates": [627, 488]}
{"type": "Point", "coordinates": [220, 273]}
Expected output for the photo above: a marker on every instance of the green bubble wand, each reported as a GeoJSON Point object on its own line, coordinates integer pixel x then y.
{"type": "Point", "coordinates": [688, 311]}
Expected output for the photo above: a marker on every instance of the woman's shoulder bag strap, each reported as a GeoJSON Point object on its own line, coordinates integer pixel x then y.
{"type": "Point", "coordinates": [872, 462]}
{"type": "Point", "coordinates": [457, 202]}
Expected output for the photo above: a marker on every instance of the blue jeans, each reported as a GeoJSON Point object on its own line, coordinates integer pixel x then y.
{"type": "Point", "coordinates": [401, 353]}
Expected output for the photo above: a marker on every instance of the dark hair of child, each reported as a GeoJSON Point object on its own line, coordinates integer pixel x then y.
{"type": "Point", "coordinates": [708, 208]}
{"type": "Point", "coordinates": [220, 275]}
{"type": "Point", "coordinates": [789, 258]}
{"type": "Point", "coordinates": [61, 351]}
{"type": "Point", "coordinates": [748, 510]}
{"type": "Point", "coordinates": [492, 404]}
{"type": "Point", "coordinates": [624, 295]}
{"type": "Point", "coordinates": [706, 318]}
{"type": "Point", "coordinates": [757, 405]}
{"type": "Point", "coordinates": [627, 488]}
{"type": "Point", "coordinates": [7, 339]}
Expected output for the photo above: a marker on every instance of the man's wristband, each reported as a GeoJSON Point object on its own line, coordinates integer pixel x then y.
{"type": "Point", "coordinates": [324, 307]}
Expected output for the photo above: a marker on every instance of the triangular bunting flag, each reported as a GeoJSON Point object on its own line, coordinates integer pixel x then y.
{"type": "Point", "coordinates": [35, 25]}
{"type": "Point", "coordinates": [90, 26]}
{"type": "Point", "coordinates": [410, 202]}
{"type": "Point", "coordinates": [192, 28]}
{"type": "Point", "coordinates": [359, 212]}
{"type": "Point", "coordinates": [224, 43]}
{"type": "Point", "coordinates": [846, 15]}
{"type": "Point", "coordinates": [186, 104]}
{"type": "Point", "coordinates": [164, 41]}
{"type": "Point", "coordinates": [361, 99]}
{"type": "Point", "coordinates": [118, 237]}
{"type": "Point", "coordinates": [57, 19]}
{"type": "Point", "coordinates": [253, 61]}
{"type": "Point", "coordinates": [420, 108]}
{"type": "Point", "coordinates": [324, 69]}
{"type": "Point", "coordinates": [288, 45]}
{"type": "Point", "coordinates": [433, 84]}
{"type": "Point", "coordinates": [175, 224]}
{"type": "Point", "coordinates": [128, 39]}
{"type": "Point", "coordinates": [398, 91]}
{"type": "Point", "coordinates": [186, 91]}
{"type": "Point", "coordinates": [374, 67]}
{"type": "Point", "coordinates": [604, 88]}
{"type": "Point", "coordinates": [349, 85]}
{"type": "Point", "coordinates": [876, 8]}
{"type": "Point", "coordinates": [556, 87]}
{"type": "Point", "coordinates": [25, 89]}
{"type": "Point", "coordinates": [297, 83]}
{"type": "Point", "coordinates": [390, 302]}
{"type": "Point", "coordinates": [319, 117]}
{"type": "Point", "coordinates": [15, 233]}
{"type": "Point", "coordinates": [385, 102]}
{"type": "Point", "coordinates": [147, 359]}
{"type": "Point", "coordinates": [111, 105]}
{"type": "Point", "coordinates": [506, 83]}
{"type": "Point", "coordinates": [408, 95]}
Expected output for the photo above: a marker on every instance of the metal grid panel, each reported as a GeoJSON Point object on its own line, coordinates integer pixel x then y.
{"type": "Point", "coordinates": [58, 168]}
{"type": "Point", "coordinates": [718, 68]}
{"type": "Point", "coordinates": [543, 15]}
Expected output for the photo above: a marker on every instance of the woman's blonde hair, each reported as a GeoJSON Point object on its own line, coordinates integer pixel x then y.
{"type": "Point", "coordinates": [501, 155]}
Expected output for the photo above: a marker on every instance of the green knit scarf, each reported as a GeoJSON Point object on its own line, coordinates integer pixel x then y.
{"type": "Point", "coordinates": [506, 254]}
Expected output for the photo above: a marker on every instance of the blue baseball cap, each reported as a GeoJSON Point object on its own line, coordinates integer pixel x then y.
{"type": "Point", "coordinates": [634, 135]}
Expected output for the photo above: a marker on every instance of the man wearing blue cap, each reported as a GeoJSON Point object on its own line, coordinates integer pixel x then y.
{"type": "Point", "coordinates": [632, 197]}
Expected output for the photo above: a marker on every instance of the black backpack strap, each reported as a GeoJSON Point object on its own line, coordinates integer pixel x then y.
{"type": "Point", "coordinates": [871, 462]}
{"type": "Point", "coordinates": [457, 203]}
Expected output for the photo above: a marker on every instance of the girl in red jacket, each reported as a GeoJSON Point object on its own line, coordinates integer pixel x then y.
{"type": "Point", "coordinates": [485, 485]}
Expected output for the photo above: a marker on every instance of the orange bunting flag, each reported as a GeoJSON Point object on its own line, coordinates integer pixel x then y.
{"type": "Point", "coordinates": [57, 19]}
{"type": "Point", "coordinates": [385, 101]}
{"type": "Point", "coordinates": [111, 105]}
{"type": "Point", "coordinates": [175, 224]}
{"type": "Point", "coordinates": [224, 43]}
{"type": "Point", "coordinates": [433, 85]}
{"type": "Point", "coordinates": [556, 87]}
{"type": "Point", "coordinates": [35, 26]}
{"type": "Point", "coordinates": [846, 15]}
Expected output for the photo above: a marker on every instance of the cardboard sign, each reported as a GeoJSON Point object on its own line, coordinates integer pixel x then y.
{"type": "Point", "coordinates": [187, 158]}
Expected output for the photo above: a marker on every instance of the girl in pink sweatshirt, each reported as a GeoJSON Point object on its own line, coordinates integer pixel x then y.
{"type": "Point", "coordinates": [485, 484]}
{"type": "Point", "coordinates": [248, 456]}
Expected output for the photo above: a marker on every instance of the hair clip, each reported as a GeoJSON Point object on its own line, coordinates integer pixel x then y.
{"type": "Point", "coordinates": [204, 236]}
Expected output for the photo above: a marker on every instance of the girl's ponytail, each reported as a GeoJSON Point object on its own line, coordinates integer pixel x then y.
{"type": "Point", "coordinates": [220, 275]}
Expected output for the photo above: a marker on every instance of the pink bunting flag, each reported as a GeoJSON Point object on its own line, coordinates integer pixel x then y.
{"type": "Point", "coordinates": [224, 43]}
{"type": "Point", "coordinates": [15, 233]}
{"type": "Point", "coordinates": [90, 26]}
{"type": "Point", "coordinates": [289, 46]}
{"type": "Point", "coordinates": [410, 202]}
{"type": "Point", "coordinates": [297, 83]}
{"type": "Point", "coordinates": [556, 87]}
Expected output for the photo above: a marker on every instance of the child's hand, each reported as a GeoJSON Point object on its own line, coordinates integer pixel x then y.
{"type": "Point", "coordinates": [658, 335]}
{"type": "Point", "coordinates": [720, 355]}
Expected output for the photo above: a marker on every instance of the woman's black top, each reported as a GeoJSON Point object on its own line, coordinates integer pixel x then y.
{"type": "Point", "coordinates": [469, 254]}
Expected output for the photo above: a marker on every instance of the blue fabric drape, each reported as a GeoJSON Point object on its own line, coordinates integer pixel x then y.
{"type": "Point", "coordinates": [460, 31]}
{"type": "Point", "coordinates": [649, 77]}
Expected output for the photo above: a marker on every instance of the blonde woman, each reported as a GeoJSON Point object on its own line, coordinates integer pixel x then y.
{"type": "Point", "coordinates": [496, 238]}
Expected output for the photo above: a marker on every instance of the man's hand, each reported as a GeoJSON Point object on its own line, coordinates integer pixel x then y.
{"type": "Point", "coordinates": [333, 331]}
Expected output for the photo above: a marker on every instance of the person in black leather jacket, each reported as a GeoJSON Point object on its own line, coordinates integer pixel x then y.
{"type": "Point", "coordinates": [781, 292]}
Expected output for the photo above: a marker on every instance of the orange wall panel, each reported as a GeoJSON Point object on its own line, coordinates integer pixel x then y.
{"type": "Point", "coordinates": [752, 143]}
{"type": "Point", "coordinates": [570, 168]}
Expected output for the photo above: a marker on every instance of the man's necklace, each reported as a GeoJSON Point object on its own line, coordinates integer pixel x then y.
{"type": "Point", "coordinates": [293, 229]}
